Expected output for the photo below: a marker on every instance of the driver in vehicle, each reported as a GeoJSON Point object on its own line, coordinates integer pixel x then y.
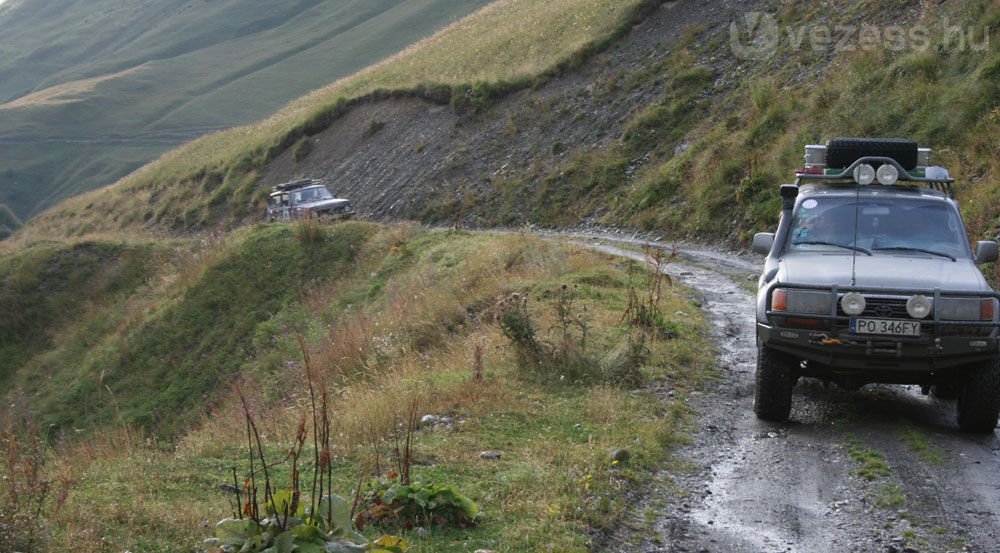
{"type": "Point", "coordinates": [825, 228]}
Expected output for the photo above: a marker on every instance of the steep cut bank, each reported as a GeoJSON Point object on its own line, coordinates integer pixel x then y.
{"type": "Point", "coordinates": [505, 161]}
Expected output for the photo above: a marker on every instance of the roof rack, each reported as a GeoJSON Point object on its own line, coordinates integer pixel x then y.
{"type": "Point", "coordinates": [875, 169]}
{"type": "Point", "coordinates": [292, 185]}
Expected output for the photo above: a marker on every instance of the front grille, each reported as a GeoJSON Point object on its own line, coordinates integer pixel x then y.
{"type": "Point", "coordinates": [881, 308]}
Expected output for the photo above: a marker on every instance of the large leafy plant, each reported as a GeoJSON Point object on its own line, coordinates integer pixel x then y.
{"type": "Point", "coordinates": [409, 505]}
{"type": "Point", "coordinates": [301, 531]}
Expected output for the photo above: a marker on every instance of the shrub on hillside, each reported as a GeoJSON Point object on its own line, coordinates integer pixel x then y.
{"type": "Point", "coordinates": [309, 231]}
{"type": "Point", "coordinates": [516, 324]}
{"type": "Point", "coordinates": [565, 357]}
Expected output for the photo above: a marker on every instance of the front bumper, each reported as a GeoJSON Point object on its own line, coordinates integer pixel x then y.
{"type": "Point", "coordinates": [898, 360]}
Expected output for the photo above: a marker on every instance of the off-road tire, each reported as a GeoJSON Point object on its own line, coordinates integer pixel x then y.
{"type": "Point", "coordinates": [842, 152]}
{"type": "Point", "coordinates": [978, 403]}
{"type": "Point", "coordinates": [775, 379]}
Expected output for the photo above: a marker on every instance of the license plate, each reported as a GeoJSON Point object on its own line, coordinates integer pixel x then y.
{"type": "Point", "coordinates": [887, 327]}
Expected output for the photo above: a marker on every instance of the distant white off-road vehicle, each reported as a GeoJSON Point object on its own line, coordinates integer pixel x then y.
{"type": "Point", "coordinates": [306, 198]}
{"type": "Point", "coordinates": [870, 278]}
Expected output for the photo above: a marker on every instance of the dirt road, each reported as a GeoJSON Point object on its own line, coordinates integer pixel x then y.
{"type": "Point", "coordinates": [880, 470]}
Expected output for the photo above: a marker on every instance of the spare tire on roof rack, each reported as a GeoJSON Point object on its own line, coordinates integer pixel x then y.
{"type": "Point", "coordinates": [842, 152]}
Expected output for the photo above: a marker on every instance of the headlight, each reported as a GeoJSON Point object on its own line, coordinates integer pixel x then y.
{"type": "Point", "coordinates": [801, 301]}
{"type": "Point", "coordinates": [853, 303]}
{"type": "Point", "coordinates": [967, 309]}
{"type": "Point", "coordinates": [918, 306]}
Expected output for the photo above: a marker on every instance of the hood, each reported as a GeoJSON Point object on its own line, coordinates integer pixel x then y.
{"type": "Point", "coordinates": [882, 271]}
{"type": "Point", "coordinates": [325, 204]}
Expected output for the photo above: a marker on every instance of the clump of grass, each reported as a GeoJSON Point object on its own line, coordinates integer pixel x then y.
{"type": "Point", "coordinates": [309, 231]}
{"type": "Point", "coordinates": [302, 148]}
{"type": "Point", "coordinates": [920, 444]}
{"type": "Point", "coordinates": [374, 126]}
{"type": "Point", "coordinates": [872, 463]}
{"type": "Point", "coordinates": [890, 496]}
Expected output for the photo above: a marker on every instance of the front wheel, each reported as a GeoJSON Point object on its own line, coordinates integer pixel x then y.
{"type": "Point", "coordinates": [946, 391]}
{"type": "Point", "coordinates": [775, 380]}
{"type": "Point", "coordinates": [978, 405]}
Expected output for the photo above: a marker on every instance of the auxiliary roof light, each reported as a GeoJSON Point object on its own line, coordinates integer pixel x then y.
{"type": "Point", "coordinates": [864, 174]}
{"type": "Point", "coordinates": [887, 175]}
{"type": "Point", "coordinates": [918, 306]}
{"type": "Point", "coordinates": [937, 173]}
{"type": "Point", "coordinates": [853, 303]}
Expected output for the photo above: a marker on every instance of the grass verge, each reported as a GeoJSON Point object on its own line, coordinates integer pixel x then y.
{"type": "Point", "coordinates": [410, 320]}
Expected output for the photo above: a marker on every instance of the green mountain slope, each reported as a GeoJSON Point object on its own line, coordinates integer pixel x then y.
{"type": "Point", "coordinates": [90, 90]}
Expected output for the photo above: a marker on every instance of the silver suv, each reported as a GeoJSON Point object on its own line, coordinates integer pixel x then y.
{"type": "Point", "coordinates": [870, 278]}
{"type": "Point", "coordinates": [304, 199]}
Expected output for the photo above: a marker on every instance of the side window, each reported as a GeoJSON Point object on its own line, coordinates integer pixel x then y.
{"type": "Point", "coordinates": [284, 200]}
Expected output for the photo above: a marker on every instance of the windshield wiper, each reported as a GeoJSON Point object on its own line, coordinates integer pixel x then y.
{"type": "Point", "coordinates": [821, 243]}
{"type": "Point", "coordinates": [921, 250]}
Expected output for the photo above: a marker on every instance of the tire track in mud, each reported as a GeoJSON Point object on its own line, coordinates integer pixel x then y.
{"type": "Point", "coordinates": [794, 486]}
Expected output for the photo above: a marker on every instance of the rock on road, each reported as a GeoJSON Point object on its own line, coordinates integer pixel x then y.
{"type": "Point", "coordinates": [796, 486]}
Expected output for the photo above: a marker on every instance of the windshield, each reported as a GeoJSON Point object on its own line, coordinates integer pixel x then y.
{"type": "Point", "coordinates": [876, 226]}
{"type": "Point", "coordinates": [307, 195]}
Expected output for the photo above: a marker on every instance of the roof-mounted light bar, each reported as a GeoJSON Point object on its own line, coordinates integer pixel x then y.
{"type": "Point", "coordinates": [930, 174]}
{"type": "Point", "coordinates": [867, 170]}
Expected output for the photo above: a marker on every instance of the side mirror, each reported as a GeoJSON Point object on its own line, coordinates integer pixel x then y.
{"type": "Point", "coordinates": [763, 241]}
{"type": "Point", "coordinates": [986, 251]}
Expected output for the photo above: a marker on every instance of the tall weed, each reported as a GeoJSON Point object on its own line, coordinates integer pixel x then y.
{"type": "Point", "coordinates": [30, 496]}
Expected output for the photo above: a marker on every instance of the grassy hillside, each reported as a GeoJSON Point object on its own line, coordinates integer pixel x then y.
{"type": "Point", "coordinates": [90, 90]}
{"type": "Point", "coordinates": [737, 146]}
{"type": "Point", "coordinates": [96, 328]}
{"type": "Point", "coordinates": [702, 157]}
{"type": "Point", "coordinates": [391, 317]}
